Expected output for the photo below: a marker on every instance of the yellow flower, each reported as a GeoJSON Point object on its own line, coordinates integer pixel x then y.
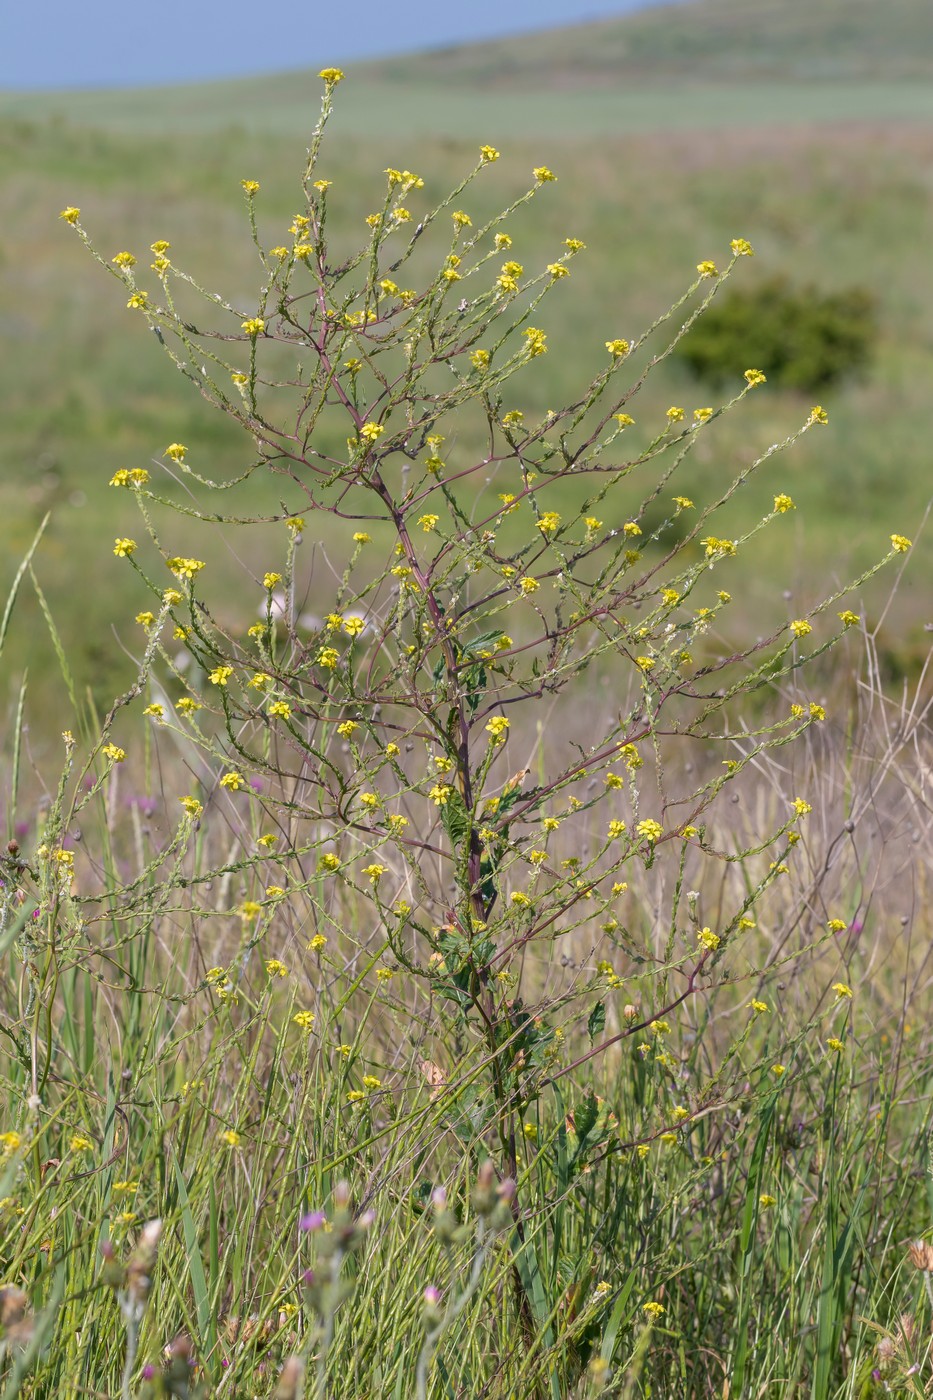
{"type": "Point", "coordinates": [783, 503]}
{"type": "Point", "coordinates": [77, 1143]}
{"type": "Point", "coordinates": [615, 830]}
{"type": "Point", "coordinates": [371, 432]}
{"type": "Point", "coordinates": [618, 349]}
{"type": "Point", "coordinates": [718, 549]}
{"type": "Point", "coordinates": [114, 753]}
{"type": "Point", "coordinates": [428, 522]}
{"type": "Point", "coordinates": [280, 709]}
{"type": "Point", "coordinates": [10, 1142]}
{"type": "Point", "coordinates": [331, 76]}
{"type": "Point", "coordinates": [742, 248]}
{"type": "Point", "coordinates": [709, 939]}
{"type": "Point", "coordinates": [329, 861]}
{"type": "Point", "coordinates": [683, 503]}
{"type": "Point", "coordinates": [304, 1019]}
{"type": "Point", "coordinates": [818, 414]}
{"type": "Point", "coordinates": [276, 968]}
{"type": "Point", "coordinates": [755, 377]}
{"type": "Point", "coordinates": [557, 270]}
{"type": "Point", "coordinates": [231, 1138]}
{"type": "Point", "coordinates": [375, 872]}
{"type": "Point", "coordinates": [766, 1201]}
{"type": "Point", "coordinates": [801, 807]}
{"type": "Point", "coordinates": [124, 260]}
{"type": "Point", "coordinates": [548, 522]}
{"type": "Point", "coordinates": [520, 900]}
{"type": "Point", "coordinates": [347, 728]}
{"type": "Point", "coordinates": [271, 579]}
{"type": "Point", "coordinates": [900, 544]}
{"type": "Point", "coordinates": [123, 548]}
{"type": "Point", "coordinates": [440, 794]}
{"type": "Point", "coordinates": [192, 806]}
{"type": "Point", "coordinates": [707, 269]}
{"type": "Point", "coordinates": [497, 728]}
{"type": "Point", "coordinates": [488, 154]}
{"type": "Point", "coordinates": [654, 1310]}
{"type": "Point", "coordinates": [185, 568]}
{"type": "Point", "coordinates": [800, 627]}
{"type": "Point", "coordinates": [369, 799]}
{"type": "Point", "coordinates": [842, 990]}
{"type": "Point", "coordinates": [233, 781]}
{"type": "Point", "coordinates": [536, 341]}
{"type": "Point", "coordinates": [361, 537]}
{"type": "Point", "coordinates": [71, 215]}
{"type": "Point", "coordinates": [778, 1070]}
{"type": "Point", "coordinates": [253, 326]}
{"type": "Point", "coordinates": [542, 174]}
{"type": "Point", "coordinates": [187, 706]}
{"type": "Point", "coordinates": [574, 244]}
{"type": "Point", "coordinates": [316, 943]}
{"type": "Point", "coordinates": [702, 415]}
{"type": "Point", "coordinates": [155, 710]}
{"type": "Point", "coordinates": [528, 585]}
{"type": "Point", "coordinates": [834, 1043]}
{"type": "Point", "coordinates": [650, 830]}
{"type": "Point", "coordinates": [758, 1006]}
{"type": "Point", "coordinates": [328, 658]}
{"type": "Point", "coordinates": [139, 301]}
{"type": "Point", "coordinates": [624, 420]}
{"type": "Point", "coordinates": [220, 675]}
{"type": "Point", "coordinates": [849, 618]}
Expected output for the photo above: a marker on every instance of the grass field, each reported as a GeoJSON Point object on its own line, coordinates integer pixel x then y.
{"type": "Point", "coordinates": [87, 392]}
{"type": "Point", "coordinates": [336, 1067]}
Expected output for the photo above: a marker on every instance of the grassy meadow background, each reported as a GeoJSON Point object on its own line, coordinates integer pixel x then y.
{"type": "Point", "coordinates": [671, 132]}
{"type": "Point", "coordinates": [751, 1244]}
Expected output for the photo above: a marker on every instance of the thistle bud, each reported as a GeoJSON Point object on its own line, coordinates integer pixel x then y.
{"type": "Point", "coordinates": [432, 1306]}
{"type": "Point", "coordinates": [141, 1264]}
{"type": "Point", "coordinates": [289, 1386]}
{"type": "Point", "coordinates": [484, 1193]}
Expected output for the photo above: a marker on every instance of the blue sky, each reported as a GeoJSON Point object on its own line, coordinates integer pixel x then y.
{"type": "Point", "coordinates": [110, 43]}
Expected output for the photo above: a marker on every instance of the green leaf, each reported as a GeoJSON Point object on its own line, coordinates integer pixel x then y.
{"type": "Point", "coordinates": [456, 820]}
{"type": "Point", "coordinates": [597, 1021]}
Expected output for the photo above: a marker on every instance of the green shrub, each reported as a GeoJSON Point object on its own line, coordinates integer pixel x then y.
{"type": "Point", "coordinates": [800, 337]}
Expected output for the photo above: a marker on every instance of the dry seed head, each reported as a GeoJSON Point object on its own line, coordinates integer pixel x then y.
{"type": "Point", "coordinates": [16, 1323]}
{"type": "Point", "coordinates": [921, 1256]}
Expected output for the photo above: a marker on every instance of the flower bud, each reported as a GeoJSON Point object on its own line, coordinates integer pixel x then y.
{"type": "Point", "coordinates": [432, 1306]}
{"type": "Point", "coordinates": [484, 1193]}
{"type": "Point", "coordinates": [289, 1386]}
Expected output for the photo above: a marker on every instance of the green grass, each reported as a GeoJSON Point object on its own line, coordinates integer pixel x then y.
{"type": "Point", "coordinates": [770, 1227]}
{"type": "Point", "coordinates": [280, 105]}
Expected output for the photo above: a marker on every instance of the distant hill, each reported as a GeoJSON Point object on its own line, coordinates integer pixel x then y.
{"type": "Point", "coordinates": [697, 41]}
{"type": "Point", "coordinates": [695, 65]}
